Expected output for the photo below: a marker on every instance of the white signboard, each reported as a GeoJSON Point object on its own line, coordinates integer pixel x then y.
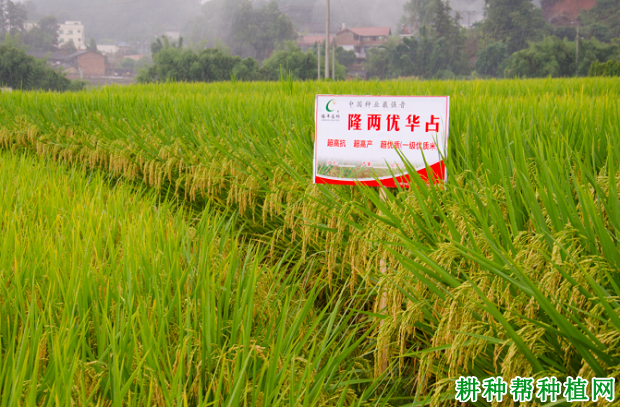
{"type": "Point", "coordinates": [359, 138]}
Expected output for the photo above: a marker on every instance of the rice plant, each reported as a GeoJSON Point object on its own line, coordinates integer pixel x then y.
{"type": "Point", "coordinates": [112, 297]}
{"type": "Point", "coordinates": [510, 269]}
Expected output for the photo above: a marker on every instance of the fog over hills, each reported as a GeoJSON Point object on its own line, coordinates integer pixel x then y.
{"type": "Point", "coordinates": [142, 19]}
{"type": "Point", "coordinates": [121, 19]}
{"type": "Point", "coordinates": [364, 13]}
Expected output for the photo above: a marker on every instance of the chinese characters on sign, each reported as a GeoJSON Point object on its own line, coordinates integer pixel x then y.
{"type": "Point", "coordinates": [376, 140]}
{"type": "Point", "coordinates": [522, 389]}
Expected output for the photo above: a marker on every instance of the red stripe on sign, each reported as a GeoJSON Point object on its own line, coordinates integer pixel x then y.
{"type": "Point", "coordinates": [438, 174]}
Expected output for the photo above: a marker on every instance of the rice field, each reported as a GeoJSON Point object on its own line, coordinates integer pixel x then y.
{"type": "Point", "coordinates": [164, 245]}
{"type": "Point", "coordinates": [111, 296]}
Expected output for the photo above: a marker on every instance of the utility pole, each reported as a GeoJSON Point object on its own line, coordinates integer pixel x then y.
{"type": "Point", "coordinates": [327, 22]}
{"type": "Point", "coordinates": [469, 14]}
{"type": "Point", "coordinates": [318, 51]}
{"type": "Point", "coordinates": [334, 62]}
{"type": "Point", "coordinates": [577, 51]}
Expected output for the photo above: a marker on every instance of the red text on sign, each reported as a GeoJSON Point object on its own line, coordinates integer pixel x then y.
{"type": "Point", "coordinates": [412, 145]}
{"type": "Point", "coordinates": [355, 122]}
{"type": "Point", "coordinates": [362, 143]}
{"type": "Point", "coordinates": [392, 122]}
{"type": "Point", "coordinates": [413, 121]}
{"type": "Point", "coordinates": [336, 143]}
{"type": "Point", "coordinates": [433, 126]}
{"type": "Point", "coordinates": [374, 122]}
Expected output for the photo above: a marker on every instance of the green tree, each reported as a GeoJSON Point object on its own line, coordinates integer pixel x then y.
{"type": "Point", "coordinates": [515, 22]}
{"type": "Point", "coordinates": [69, 47]}
{"type": "Point", "coordinates": [127, 63]}
{"type": "Point", "coordinates": [344, 57]}
{"type": "Point", "coordinates": [92, 46]}
{"type": "Point", "coordinates": [163, 43]}
{"type": "Point", "coordinates": [610, 68]}
{"type": "Point", "coordinates": [556, 58]}
{"type": "Point", "coordinates": [491, 59]}
{"type": "Point", "coordinates": [31, 10]}
{"type": "Point", "coordinates": [246, 70]}
{"type": "Point", "coordinates": [443, 23]}
{"type": "Point", "coordinates": [16, 15]}
{"type": "Point", "coordinates": [602, 21]}
{"type": "Point", "coordinates": [417, 14]}
{"type": "Point", "coordinates": [303, 65]}
{"type": "Point", "coordinates": [378, 60]}
{"type": "Point", "coordinates": [21, 71]}
{"type": "Point", "coordinates": [438, 52]}
{"type": "Point", "coordinates": [3, 28]}
{"type": "Point", "coordinates": [448, 53]}
{"type": "Point", "coordinates": [12, 17]}
{"type": "Point", "coordinates": [263, 29]}
{"type": "Point", "coordinates": [431, 56]}
{"type": "Point", "coordinates": [49, 25]}
{"type": "Point", "coordinates": [144, 63]}
{"type": "Point", "coordinates": [246, 30]}
{"type": "Point", "coordinates": [215, 23]}
{"type": "Point", "coordinates": [210, 65]}
{"type": "Point", "coordinates": [43, 36]}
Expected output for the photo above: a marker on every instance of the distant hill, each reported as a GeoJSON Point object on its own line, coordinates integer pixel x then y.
{"type": "Point", "coordinates": [598, 19]}
{"type": "Point", "coordinates": [564, 12]}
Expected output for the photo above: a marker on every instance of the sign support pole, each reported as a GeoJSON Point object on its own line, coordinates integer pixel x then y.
{"type": "Point", "coordinates": [383, 302]}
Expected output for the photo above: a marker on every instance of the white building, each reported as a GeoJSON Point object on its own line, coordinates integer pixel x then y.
{"type": "Point", "coordinates": [108, 49]}
{"type": "Point", "coordinates": [72, 31]}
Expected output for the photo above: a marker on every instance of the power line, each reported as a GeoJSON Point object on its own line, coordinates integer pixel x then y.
{"type": "Point", "coordinates": [469, 14]}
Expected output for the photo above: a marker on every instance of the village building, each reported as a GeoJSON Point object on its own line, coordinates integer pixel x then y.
{"type": "Point", "coordinates": [108, 49]}
{"type": "Point", "coordinates": [361, 39]}
{"type": "Point", "coordinates": [29, 25]}
{"type": "Point", "coordinates": [85, 64]}
{"type": "Point", "coordinates": [72, 31]}
{"type": "Point", "coordinates": [81, 64]}
{"type": "Point", "coordinates": [305, 42]}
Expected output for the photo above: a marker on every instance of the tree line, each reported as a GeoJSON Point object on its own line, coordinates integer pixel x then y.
{"type": "Point", "coordinates": [173, 62]}
{"type": "Point", "coordinates": [19, 70]}
{"type": "Point", "coordinates": [513, 40]}
{"type": "Point", "coordinates": [234, 40]}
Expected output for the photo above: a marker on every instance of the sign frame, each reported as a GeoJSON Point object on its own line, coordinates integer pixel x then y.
{"type": "Point", "coordinates": [435, 163]}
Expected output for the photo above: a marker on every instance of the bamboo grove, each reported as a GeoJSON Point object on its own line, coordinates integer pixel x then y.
{"type": "Point", "coordinates": [164, 245]}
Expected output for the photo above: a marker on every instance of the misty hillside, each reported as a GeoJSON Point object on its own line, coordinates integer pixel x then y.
{"type": "Point", "coordinates": [129, 20]}
{"type": "Point", "coordinates": [365, 13]}
{"type": "Point", "coordinates": [122, 19]}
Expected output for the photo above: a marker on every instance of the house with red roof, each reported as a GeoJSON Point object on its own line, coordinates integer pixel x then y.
{"type": "Point", "coordinates": [361, 39]}
{"type": "Point", "coordinates": [306, 42]}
